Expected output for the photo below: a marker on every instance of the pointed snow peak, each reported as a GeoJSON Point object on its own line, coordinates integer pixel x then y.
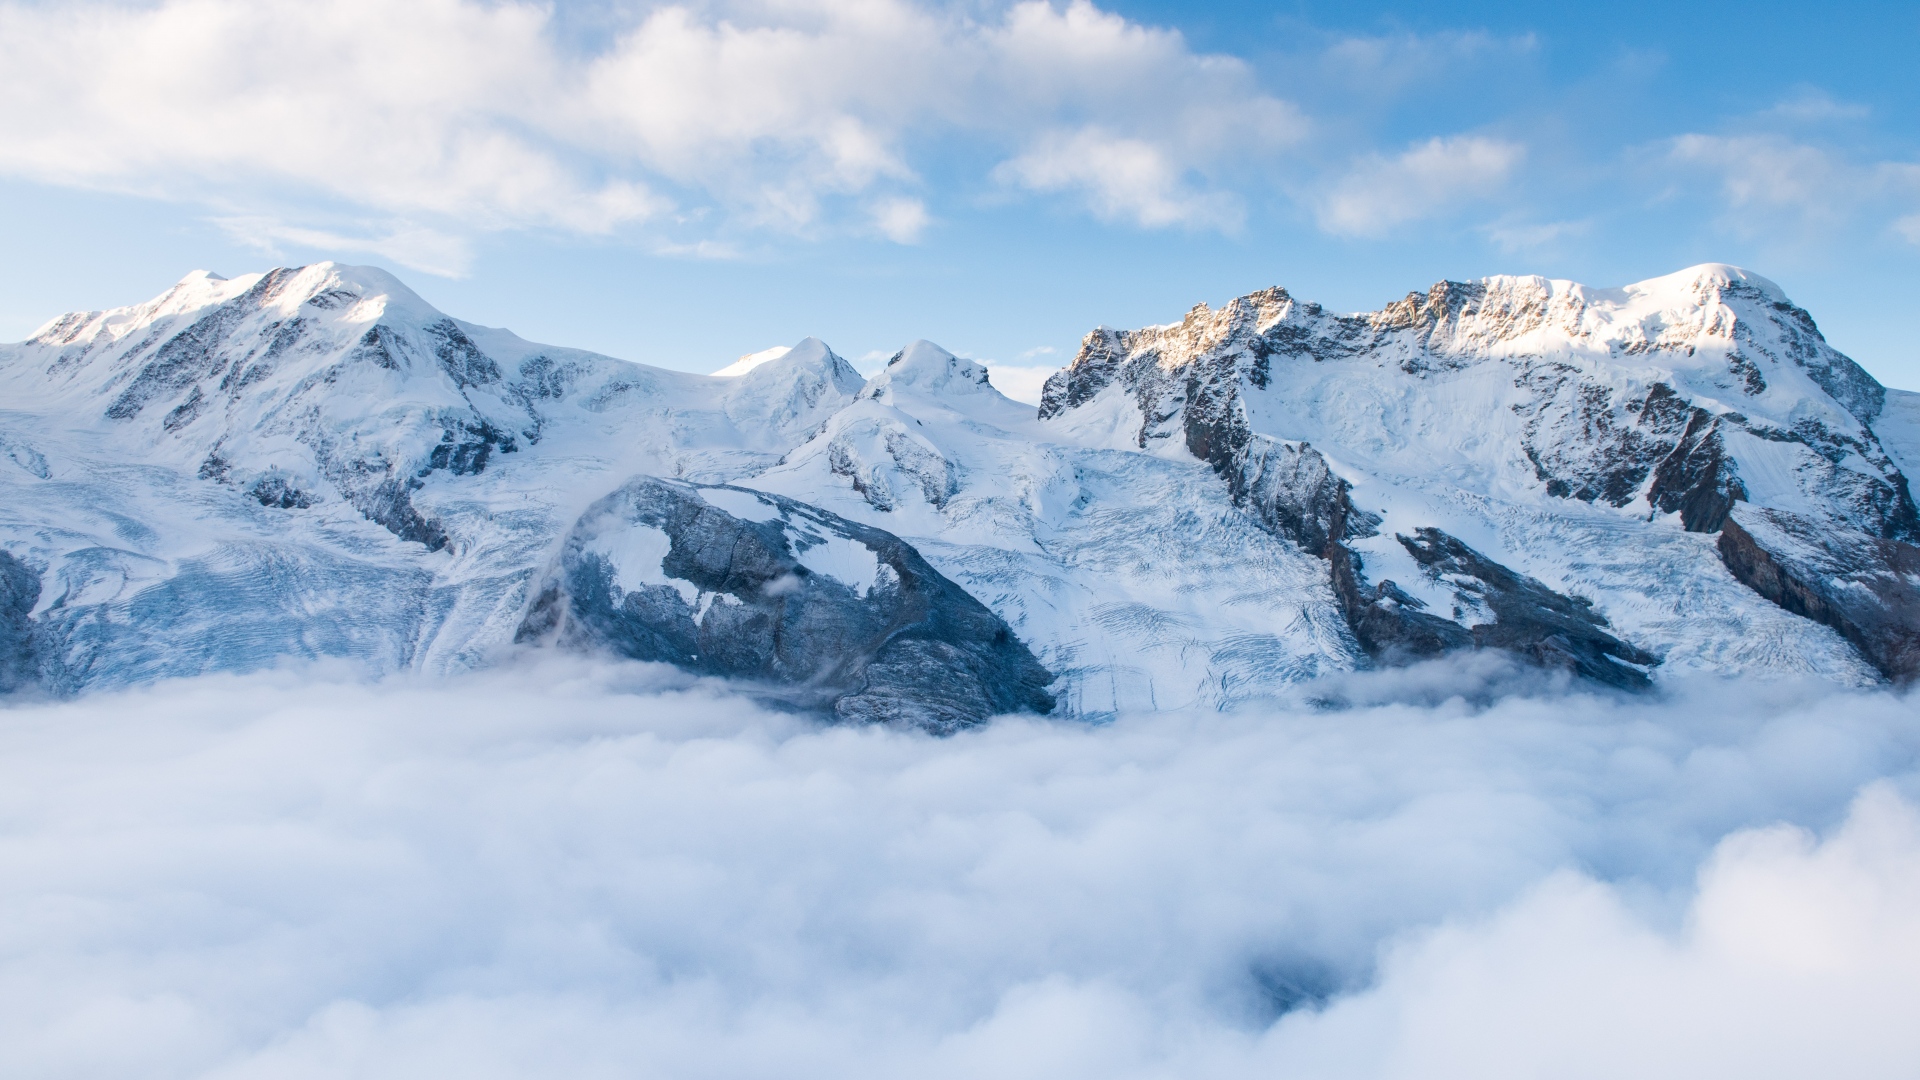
{"type": "Point", "coordinates": [811, 361]}
{"type": "Point", "coordinates": [348, 293]}
{"type": "Point", "coordinates": [1696, 282]}
{"type": "Point", "coordinates": [919, 354]}
{"type": "Point", "coordinates": [928, 369]}
{"type": "Point", "coordinates": [332, 286]}
{"type": "Point", "coordinates": [794, 391]}
{"type": "Point", "coordinates": [808, 353]}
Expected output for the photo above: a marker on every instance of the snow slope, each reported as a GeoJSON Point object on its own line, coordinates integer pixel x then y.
{"type": "Point", "coordinates": [315, 462]}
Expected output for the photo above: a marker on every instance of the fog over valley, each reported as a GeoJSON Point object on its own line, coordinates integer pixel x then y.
{"type": "Point", "coordinates": [590, 869]}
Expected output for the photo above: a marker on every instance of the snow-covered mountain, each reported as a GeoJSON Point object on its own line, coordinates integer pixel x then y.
{"type": "Point", "coordinates": [1676, 476]}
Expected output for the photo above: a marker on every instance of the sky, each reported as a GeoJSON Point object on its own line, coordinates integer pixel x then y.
{"type": "Point", "coordinates": [679, 184]}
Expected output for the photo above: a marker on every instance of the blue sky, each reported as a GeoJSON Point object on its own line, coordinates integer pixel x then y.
{"type": "Point", "coordinates": [679, 184]}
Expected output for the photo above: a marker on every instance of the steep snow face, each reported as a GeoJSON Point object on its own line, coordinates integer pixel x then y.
{"type": "Point", "coordinates": [1516, 383]}
{"type": "Point", "coordinates": [1898, 427]}
{"type": "Point", "coordinates": [753, 360]}
{"type": "Point", "coordinates": [1133, 578]}
{"type": "Point", "coordinates": [926, 369]}
{"type": "Point", "coordinates": [784, 397]}
{"type": "Point", "coordinates": [316, 462]}
{"type": "Point", "coordinates": [1544, 423]}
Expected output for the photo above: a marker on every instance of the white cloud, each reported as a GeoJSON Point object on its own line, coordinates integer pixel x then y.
{"type": "Point", "coordinates": [1796, 958]}
{"type": "Point", "coordinates": [475, 116]}
{"type": "Point", "coordinates": [901, 220]}
{"type": "Point", "coordinates": [1388, 66]}
{"type": "Point", "coordinates": [1811, 105]}
{"type": "Point", "coordinates": [1767, 170]}
{"type": "Point", "coordinates": [1121, 179]}
{"type": "Point", "coordinates": [428, 250]}
{"type": "Point", "coordinates": [1774, 186]}
{"type": "Point", "coordinates": [1021, 382]}
{"type": "Point", "coordinates": [427, 108]}
{"type": "Point", "coordinates": [1427, 179]}
{"type": "Point", "coordinates": [589, 870]}
{"type": "Point", "coordinates": [1515, 236]}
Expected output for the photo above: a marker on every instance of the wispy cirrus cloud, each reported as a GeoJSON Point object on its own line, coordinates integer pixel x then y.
{"type": "Point", "coordinates": [1121, 179]}
{"type": "Point", "coordinates": [418, 248]}
{"type": "Point", "coordinates": [1774, 185]}
{"type": "Point", "coordinates": [1426, 179]}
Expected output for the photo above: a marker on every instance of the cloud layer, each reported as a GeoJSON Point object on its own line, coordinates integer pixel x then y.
{"type": "Point", "coordinates": [464, 115]}
{"type": "Point", "coordinates": [573, 870]}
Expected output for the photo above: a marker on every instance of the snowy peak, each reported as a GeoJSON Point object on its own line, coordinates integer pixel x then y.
{"type": "Point", "coordinates": [809, 358]}
{"type": "Point", "coordinates": [753, 360]}
{"type": "Point", "coordinates": [927, 369]}
{"type": "Point", "coordinates": [1675, 475]}
{"type": "Point", "coordinates": [1708, 280]}
{"type": "Point", "coordinates": [302, 385]}
{"type": "Point", "coordinates": [1698, 398]}
{"type": "Point", "coordinates": [1717, 327]}
{"type": "Point", "coordinates": [794, 391]}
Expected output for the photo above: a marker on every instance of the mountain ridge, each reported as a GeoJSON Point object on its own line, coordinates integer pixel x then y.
{"type": "Point", "coordinates": [1199, 512]}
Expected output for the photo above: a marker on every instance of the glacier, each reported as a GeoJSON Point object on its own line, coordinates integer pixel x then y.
{"type": "Point", "coordinates": [1622, 484]}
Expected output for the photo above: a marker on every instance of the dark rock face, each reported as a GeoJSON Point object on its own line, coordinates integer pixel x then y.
{"type": "Point", "coordinates": [1587, 438]}
{"type": "Point", "coordinates": [1289, 488]}
{"type": "Point", "coordinates": [1549, 629]}
{"type": "Point", "coordinates": [725, 595]}
{"type": "Point", "coordinates": [1660, 442]}
{"type": "Point", "coordinates": [1861, 585]}
{"type": "Point", "coordinates": [1529, 620]}
{"type": "Point", "coordinates": [19, 591]}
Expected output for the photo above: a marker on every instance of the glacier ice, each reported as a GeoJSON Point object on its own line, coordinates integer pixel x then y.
{"type": "Point", "coordinates": [314, 462]}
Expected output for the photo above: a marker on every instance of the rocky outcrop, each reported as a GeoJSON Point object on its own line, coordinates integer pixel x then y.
{"type": "Point", "coordinates": [1529, 619]}
{"type": "Point", "coordinates": [1291, 490]}
{"type": "Point", "coordinates": [19, 592]}
{"type": "Point", "coordinates": [1866, 587]}
{"type": "Point", "coordinates": [1652, 396]}
{"type": "Point", "coordinates": [818, 611]}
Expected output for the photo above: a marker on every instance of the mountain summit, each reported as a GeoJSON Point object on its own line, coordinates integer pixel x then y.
{"type": "Point", "coordinates": [1678, 475]}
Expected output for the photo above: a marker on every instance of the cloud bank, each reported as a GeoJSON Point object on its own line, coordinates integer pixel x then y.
{"type": "Point", "coordinates": [580, 870]}
{"type": "Point", "coordinates": [455, 114]}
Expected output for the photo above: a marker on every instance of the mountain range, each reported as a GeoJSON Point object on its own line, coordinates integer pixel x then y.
{"type": "Point", "coordinates": [1626, 485]}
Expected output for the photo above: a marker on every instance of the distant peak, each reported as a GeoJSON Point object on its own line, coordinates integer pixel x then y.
{"type": "Point", "coordinates": [1715, 274]}
{"type": "Point", "coordinates": [748, 361]}
{"type": "Point", "coordinates": [928, 368]}
{"type": "Point", "coordinates": [920, 354]}
{"type": "Point", "coordinates": [807, 363]}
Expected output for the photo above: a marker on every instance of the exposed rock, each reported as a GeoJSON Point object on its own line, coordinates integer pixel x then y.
{"type": "Point", "coordinates": [1529, 619]}
{"type": "Point", "coordinates": [276, 491]}
{"type": "Point", "coordinates": [822, 612]}
{"type": "Point", "coordinates": [1587, 433]}
{"type": "Point", "coordinates": [19, 591]}
{"type": "Point", "coordinates": [1861, 585]}
{"type": "Point", "coordinates": [1289, 488]}
{"type": "Point", "coordinates": [1616, 397]}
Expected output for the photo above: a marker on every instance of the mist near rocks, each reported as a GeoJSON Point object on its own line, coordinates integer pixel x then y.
{"type": "Point", "coordinates": [564, 868]}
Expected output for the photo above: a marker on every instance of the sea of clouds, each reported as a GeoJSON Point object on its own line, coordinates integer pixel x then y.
{"type": "Point", "coordinates": [567, 869]}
